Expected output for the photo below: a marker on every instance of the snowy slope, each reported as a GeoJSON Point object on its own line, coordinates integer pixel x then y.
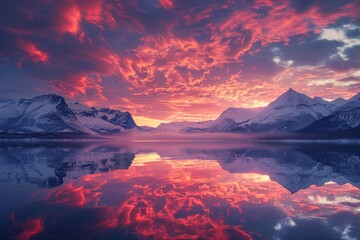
{"type": "Point", "coordinates": [92, 120]}
{"type": "Point", "coordinates": [224, 123]}
{"type": "Point", "coordinates": [346, 120]}
{"type": "Point", "coordinates": [289, 112]}
{"type": "Point", "coordinates": [181, 126]}
{"type": "Point", "coordinates": [46, 113]}
{"type": "Point", "coordinates": [51, 114]}
{"type": "Point", "coordinates": [341, 101]}
{"type": "Point", "coordinates": [118, 118]}
{"type": "Point", "coordinates": [238, 114]}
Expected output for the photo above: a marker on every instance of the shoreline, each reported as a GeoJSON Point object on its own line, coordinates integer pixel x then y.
{"type": "Point", "coordinates": [203, 138]}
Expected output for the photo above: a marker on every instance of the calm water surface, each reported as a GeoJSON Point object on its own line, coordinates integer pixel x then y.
{"type": "Point", "coordinates": [179, 191]}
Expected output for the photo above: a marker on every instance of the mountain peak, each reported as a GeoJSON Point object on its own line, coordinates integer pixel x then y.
{"type": "Point", "coordinates": [291, 90]}
{"type": "Point", "coordinates": [291, 98]}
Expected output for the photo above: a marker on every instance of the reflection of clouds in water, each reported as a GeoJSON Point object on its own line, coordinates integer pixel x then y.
{"type": "Point", "coordinates": [294, 167]}
{"type": "Point", "coordinates": [154, 200]}
{"type": "Point", "coordinates": [346, 233]}
{"type": "Point", "coordinates": [287, 222]}
{"type": "Point", "coordinates": [165, 195]}
{"type": "Point", "coordinates": [142, 158]}
{"type": "Point", "coordinates": [338, 200]}
{"type": "Point", "coordinates": [284, 223]}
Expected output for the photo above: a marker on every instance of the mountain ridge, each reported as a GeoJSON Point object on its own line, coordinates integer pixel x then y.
{"type": "Point", "coordinates": [290, 114]}
{"type": "Point", "coordinates": [345, 121]}
{"type": "Point", "coordinates": [52, 114]}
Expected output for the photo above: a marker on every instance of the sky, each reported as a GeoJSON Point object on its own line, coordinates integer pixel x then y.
{"type": "Point", "coordinates": [175, 60]}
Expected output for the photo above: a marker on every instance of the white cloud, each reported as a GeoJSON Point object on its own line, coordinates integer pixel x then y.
{"type": "Point", "coordinates": [346, 232]}
{"type": "Point", "coordinates": [284, 63]}
{"type": "Point", "coordinates": [339, 34]}
{"type": "Point", "coordinates": [287, 222]}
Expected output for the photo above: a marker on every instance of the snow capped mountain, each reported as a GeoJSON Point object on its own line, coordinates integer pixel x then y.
{"type": "Point", "coordinates": [224, 123]}
{"type": "Point", "coordinates": [51, 114]}
{"type": "Point", "coordinates": [231, 119]}
{"type": "Point", "coordinates": [290, 112]}
{"type": "Point", "coordinates": [47, 113]}
{"type": "Point", "coordinates": [90, 119]}
{"type": "Point", "coordinates": [181, 126]}
{"type": "Point", "coordinates": [345, 121]}
{"type": "Point", "coordinates": [118, 118]}
{"type": "Point", "coordinates": [239, 115]}
{"type": "Point", "coordinates": [104, 120]}
{"type": "Point", "coordinates": [341, 101]}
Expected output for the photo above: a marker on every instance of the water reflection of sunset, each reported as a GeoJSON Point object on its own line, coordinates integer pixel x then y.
{"type": "Point", "coordinates": [187, 199]}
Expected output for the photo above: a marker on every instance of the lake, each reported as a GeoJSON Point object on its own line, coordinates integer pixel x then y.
{"type": "Point", "coordinates": [179, 190]}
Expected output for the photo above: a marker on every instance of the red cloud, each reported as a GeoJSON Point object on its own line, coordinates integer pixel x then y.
{"type": "Point", "coordinates": [30, 227]}
{"type": "Point", "coordinates": [33, 52]}
{"type": "Point", "coordinates": [167, 4]}
{"type": "Point", "coordinates": [168, 55]}
{"type": "Point", "coordinates": [69, 14]}
{"type": "Point", "coordinates": [183, 61]}
{"type": "Point", "coordinates": [80, 84]}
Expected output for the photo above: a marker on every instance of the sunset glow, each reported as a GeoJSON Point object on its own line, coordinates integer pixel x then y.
{"type": "Point", "coordinates": [171, 60]}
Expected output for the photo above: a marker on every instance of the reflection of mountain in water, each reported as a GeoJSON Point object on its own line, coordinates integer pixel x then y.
{"type": "Point", "coordinates": [293, 167]}
{"type": "Point", "coordinates": [48, 166]}
{"type": "Point", "coordinates": [295, 170]}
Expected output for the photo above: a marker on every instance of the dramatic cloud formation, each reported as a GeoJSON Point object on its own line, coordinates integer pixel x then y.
{"type": "Point", "coordinates": [180, 59]}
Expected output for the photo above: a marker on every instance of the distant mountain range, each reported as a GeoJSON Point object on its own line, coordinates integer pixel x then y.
{"type": "Point", "coordinates": [53, 115]}
{"type": "Point", "coordinates": [291, 113]}
{"type": "Point", "coordinates": [345, 121]}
